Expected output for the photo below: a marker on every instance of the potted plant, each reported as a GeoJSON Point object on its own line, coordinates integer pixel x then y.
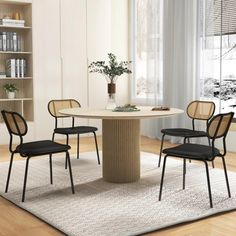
{"type": "Point", "coordinates": [10, 90]}
{"type": "Point", "coordinates": [111, 71]}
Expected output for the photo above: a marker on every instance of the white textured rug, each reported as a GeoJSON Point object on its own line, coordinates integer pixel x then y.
{"type": "Point", "coordinates": [100, 208]}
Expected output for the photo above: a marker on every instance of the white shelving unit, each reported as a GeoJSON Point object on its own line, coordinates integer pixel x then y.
{"type": "Point", "coordinates": [14, 27]}
{"type": "Point", "coordinates": [9, 52]}
{"type": "Point", "coordinates": [23, 103]}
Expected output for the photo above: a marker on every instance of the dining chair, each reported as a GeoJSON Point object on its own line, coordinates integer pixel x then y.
{"type": "Point", "coordinates": [54, 107]}
{"type": "Point", "coordinates": [17, 126]}
{"type": "Point", "coordinates": [217, 128]}
{"type": "Point", "coordinates": [196, 110]}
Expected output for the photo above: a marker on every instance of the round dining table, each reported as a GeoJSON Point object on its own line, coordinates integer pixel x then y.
{"type": "Point", "coordinates": [120, 139]}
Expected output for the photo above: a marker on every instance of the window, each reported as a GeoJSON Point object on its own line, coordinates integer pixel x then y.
{"type": "Point", "coordinates": [218, 55]}
{"type": "Point", "coordinates": [147, 50]}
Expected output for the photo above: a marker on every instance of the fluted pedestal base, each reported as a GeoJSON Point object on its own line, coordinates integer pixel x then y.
{"type": "Point", "coordinates": [121, 150]}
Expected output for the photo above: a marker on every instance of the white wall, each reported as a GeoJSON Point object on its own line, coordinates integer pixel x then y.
{"type": "Point", "coordinates": [98, 45]}
{"type": "Point", "coordinates": [67, 34]}
{"type": "Point", "coordinates": [74, 52]}
{"type": "Point", "coordinates": [46, 63]}
{"type": "Point", "coordinates": [79, 31]}
{"type": "Point", "coordinates": [230, 141]}
{"type": "Point", "coordinates": [107, 32]}
{"type": "Point", "coordinates": [119, 44]}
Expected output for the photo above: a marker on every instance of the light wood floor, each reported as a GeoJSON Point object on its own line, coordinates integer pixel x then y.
{"type": "Point", "coordinates": [14, 221]}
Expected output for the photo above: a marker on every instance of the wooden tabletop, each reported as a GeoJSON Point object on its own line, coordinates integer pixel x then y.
{"type": "Point", "coordinates": [145, 112]}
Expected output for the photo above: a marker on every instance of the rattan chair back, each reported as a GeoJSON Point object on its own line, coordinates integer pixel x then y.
{"type": "Point", "coordinates": [201, 110]}
{"type": "Point", "coordinates": [15, 123]}
{"type": "Point", "coordinates": [219, 125]}
{"type": "Point", "coordinates": [54, 106]}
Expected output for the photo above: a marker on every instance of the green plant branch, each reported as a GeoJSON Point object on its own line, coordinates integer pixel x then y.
{"type": "Point", "coordinates": [112, 69]}
{"type": "Point", "coordinates": [10, 87]}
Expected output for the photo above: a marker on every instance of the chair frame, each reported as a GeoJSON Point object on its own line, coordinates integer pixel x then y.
{"type": "Point", "coordinates": [193, 127]}
{"type": "Point", "coordinates": [222, 155]}
{"type": "Point", "coordinates": [72, 126]}
{"type": "Point", "coordinates": [13, 152]}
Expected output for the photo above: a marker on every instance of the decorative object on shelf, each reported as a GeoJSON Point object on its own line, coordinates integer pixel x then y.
{"type": "Point", "coordinates": [10, 90]}
{"type": "Point", "coordinates": [7, 21]}
{"type": "Point", "coordinates": [16, 16]}
{"type": "Point", "coordinates": [126, 108]}
{"type": "Point", "coordinates": [2, 75]}
{"type": "Point", "coordinates": [111, 71]}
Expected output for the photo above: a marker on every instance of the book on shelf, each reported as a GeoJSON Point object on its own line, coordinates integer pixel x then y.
{"type": "Point", "coordinates": [3, 35]}
{"type": "Point", "coordinates": [1, 41]}
{"type": "Point", "coordinates": [14, 42]}
{"type": "Point", "coordinates": [12, 22]}
{"type": "Point", "coordinates": [16, 68]}
{"type": "Point", "coordinates": [18, 43]}
{"type": "Point", "coordinates": [11, 68]}
{"type": "Point", "coordinates": [10, 41]}
{"type": "Point", "coordinates": [22, 68]}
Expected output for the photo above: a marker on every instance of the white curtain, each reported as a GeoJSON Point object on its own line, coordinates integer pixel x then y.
{"type": "Point", "coordinates": [180, 64]}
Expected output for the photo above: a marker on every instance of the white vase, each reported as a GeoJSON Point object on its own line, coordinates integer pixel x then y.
{"type": "Point", "coordinates": [111, 102]}
{"type": "Point", "coordinates": [11, 95]}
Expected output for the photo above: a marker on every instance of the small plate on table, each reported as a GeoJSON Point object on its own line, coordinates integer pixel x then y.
{"type": "Point", "coordinates": [162, 108]}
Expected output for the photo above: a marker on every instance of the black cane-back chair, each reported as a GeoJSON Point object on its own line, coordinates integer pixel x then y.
{"type": "Point", "coordinates": [54, 106]}
{"type": "Point", "coordinates": [196, 110]}
{"type": "Point", "coordinates": [17, 126]}
{"type": "Point", "coordinates": [217, 128]}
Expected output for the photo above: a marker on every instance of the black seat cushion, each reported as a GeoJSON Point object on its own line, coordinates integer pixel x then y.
{"type": "Point", "coordinates": [41, 148]}
{"type": "Point", "coordinates": [184, 132]}
{"type": "Point", "coordinates": [76, 130]}
{"type": "Point", "coordinates": [192, 151]}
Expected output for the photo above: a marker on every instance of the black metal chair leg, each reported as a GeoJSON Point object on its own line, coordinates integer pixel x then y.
{"type": "Point", "coordinates": [50, 155]}
{"type": "Point", "coordinates": [71, 177]}
{"type": "Point", "coordinates": [208, 183]}
{"type": "Point", "coordinates": [226, 177]}
{"type": "Point", "coordinates": [66, 163]}
{"type": "Point", "coordinates": [67, 142]}
{"type": "Point", "coordinates": [162, 140]}
{"type": "Point", "coordinates": [209, 141]}
{"type": "Point", "coordinates": [184, 172]}
{"type": "Point", "coordinates": [9, 172]}
{"type": "Point", "coordinates": [53, 136]}
{"type": "Point", "coordinates": [50, 164]}
{"type": "Point", "coordinates": [78, 146]}
{"type": "Point", "coordinates": [25, 178]}
{"type": "Point", "coordinates": [96, 143]}
{"type": "Point", "coordinates": [213, 164]}
{"type": "Point", "coordinates": [162, 177]}
{"type": "Point", "coordinates": [189, 160]}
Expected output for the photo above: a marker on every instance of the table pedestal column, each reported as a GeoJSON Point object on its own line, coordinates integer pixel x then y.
{"type": "Point", "coordinates": [121, 150]}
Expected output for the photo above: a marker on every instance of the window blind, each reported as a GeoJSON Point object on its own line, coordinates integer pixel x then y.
{"type": "Point", "coordinates": [218, 17]}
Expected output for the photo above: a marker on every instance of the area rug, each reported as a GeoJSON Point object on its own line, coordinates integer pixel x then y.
{"type": "Point", "coordinates": [101, 208]}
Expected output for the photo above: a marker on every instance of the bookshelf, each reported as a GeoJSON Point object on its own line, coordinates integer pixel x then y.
{"type": "Point", "coordinates": [23, 102]}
